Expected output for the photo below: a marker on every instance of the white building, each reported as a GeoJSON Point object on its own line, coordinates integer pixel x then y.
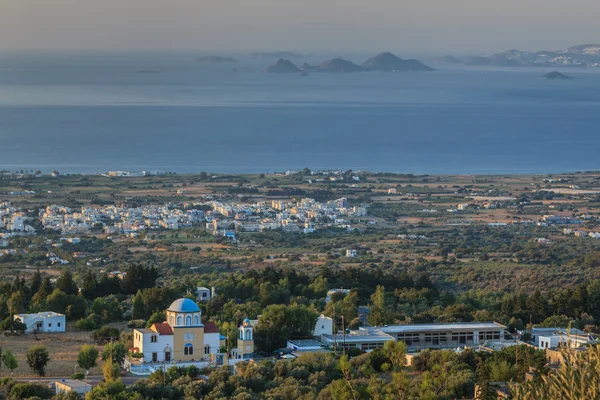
{"type": "Point", "coordinates": [72, 385]}
{"type": "Point", "coordinates": [419, 336]}
{"type": "Point", "coordinates": [324, 326]}
{"type": "Point", "coordinates": [563, 340]}
{"type": "Point", "coordinates": [203, 294]}
{"type": "Point", "coordinates": [351, 253]}
{"type": "Point", "coordinates": [47, 321]}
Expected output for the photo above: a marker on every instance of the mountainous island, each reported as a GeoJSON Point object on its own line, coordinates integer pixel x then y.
{"type": "Point", "coordinates": [584, 56]}
{"type": "Point", "coordinates": [388, 62]}
{"type": "Point", "coordinates": [283, 67]}
{"type": "Point", "coordinates": [556, 75]}
{"type": "Point", "coordinates": [216, 59]}
{"type": "Point", "coordinates": [384, 62]}
{"type": "Point", "coordinates": [333, 65]}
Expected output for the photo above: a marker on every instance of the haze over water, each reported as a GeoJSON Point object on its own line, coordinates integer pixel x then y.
{"type": "Point", "coordinates": [168, 112]}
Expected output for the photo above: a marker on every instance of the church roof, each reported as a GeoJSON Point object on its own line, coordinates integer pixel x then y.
{"type": "Point", "coordinates": [184, 305]}
{"type": "Point", "coordinates": [210, 327]}
{"type": "Point", "coordinates": [162, 328]}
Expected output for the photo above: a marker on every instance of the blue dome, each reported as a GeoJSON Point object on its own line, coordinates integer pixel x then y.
{"type": "Point", "coordinates": [184, 306]}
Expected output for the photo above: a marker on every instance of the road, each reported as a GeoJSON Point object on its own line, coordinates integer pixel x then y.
{"type": "Point", "coordinates": [92, 379]}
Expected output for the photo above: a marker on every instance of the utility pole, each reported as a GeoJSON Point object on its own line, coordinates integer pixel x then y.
{"type": "Point", "coordinates": [344, 334]}
{"type": "Point", "coordinates": [334, 332]}
{"type": "Point", "coordinates": [517, 348]}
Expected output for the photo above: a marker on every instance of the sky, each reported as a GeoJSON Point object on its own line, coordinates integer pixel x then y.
{"type": "Point", "coordinates": [435, 26]}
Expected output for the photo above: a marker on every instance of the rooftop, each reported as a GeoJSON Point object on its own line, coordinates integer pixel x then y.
{"type": "Point", "coordinates": [184, 305]}
{"type": "Point", "coordinates": [162, 328]}
{"type": "Point", "coordinates": [458, 326]}
{"type": "Point", "coordinates": [360, 335]}
{"type": "Point", "coordinates": [44, 314]}
{"type": "Point", "coordinates": [301, 344]}
{"type": "Point", "coordinates": [210, 327]}
{"type": "Point", "coordinates": [73, 383]}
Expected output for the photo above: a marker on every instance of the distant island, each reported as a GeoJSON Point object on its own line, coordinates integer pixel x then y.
{"type": "Point", "coordinates": [217, 59]}
{"type": "Point", "coordinates": [283, 67]}
{"type": "Point", "coordinates": [383, 62]}
{"type": "Point", "coordinates": [584, 56]}
{"type": "Point", "coordinates": [275, 54]}
{"type": "Point", "coordinates": [556, 75]}
{"type": "Point", "coordinates": [334, 65]}
{"type": "Point", "coordinates": [388, 62]}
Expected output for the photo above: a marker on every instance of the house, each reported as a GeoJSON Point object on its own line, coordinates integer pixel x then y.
{"type": "Point", "coordinates": [72, 385]}
{"type": "Point", "coordinates": [203, 294]}
{"type": "Point", "coordinates": [47, 321]}
{"type": "Point", "coordinates": [351, 253]}
{"type": "Point", "coordinates": [323, 326]}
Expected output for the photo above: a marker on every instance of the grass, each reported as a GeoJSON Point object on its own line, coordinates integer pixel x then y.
{"type": "Point", "coordinates": [63, 349]}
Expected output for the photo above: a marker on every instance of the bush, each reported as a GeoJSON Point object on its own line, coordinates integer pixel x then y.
{"type": "Point", "coordinates": [78, 376]}
{"type": "Point", "coordinates": [86, 324]}
{"type": "Point", "coordinates": [23, 390]}
{"type": "Point", "coordinates": [136, 324]}
{"type": "Point", "coordinates": [105, 334]}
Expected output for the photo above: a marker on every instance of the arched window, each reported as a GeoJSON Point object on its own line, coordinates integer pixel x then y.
{"type": "Point", "coordinates": [248, 335]}
{"type": "Point", "coordinates": [188, 320]}
{"type": "Point", "coordinates": [188, 349]}
{"type": "Point", "coordinates": [191, 336]}
{"type": "Point", "coordinates": [196, 320]}
{"type": "Point", "coordinates": [179, 320]}
{"type": "Point", "coordinates": [207, 349]}
{"type": "Point", "coordinates": [185, 337]}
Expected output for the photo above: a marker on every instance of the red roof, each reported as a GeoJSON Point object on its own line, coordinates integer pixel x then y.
{"type": "Point", "coordinates": [162, 328]}
{"type": "Point", "coordinates": [210, 327]}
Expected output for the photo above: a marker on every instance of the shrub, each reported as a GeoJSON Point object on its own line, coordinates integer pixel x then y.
{"type": "Point", "coordinates": [85, 324]}
{"type": "Point", "coordinates": [105, 334]}
{"type": "Point", "coordinates": [78, 376]}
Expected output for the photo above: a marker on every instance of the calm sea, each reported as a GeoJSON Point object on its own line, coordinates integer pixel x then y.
{"type": "Point", "coordinates": [168, 112]}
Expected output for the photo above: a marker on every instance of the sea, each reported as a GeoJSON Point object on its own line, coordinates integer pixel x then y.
{"type": "Point", "coordinates": [96, 112]}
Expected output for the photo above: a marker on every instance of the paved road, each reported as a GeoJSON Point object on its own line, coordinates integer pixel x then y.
{"type": "Point", "coordinates": [92, 379]}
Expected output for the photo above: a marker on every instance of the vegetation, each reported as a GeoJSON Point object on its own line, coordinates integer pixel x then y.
{"type": "Point", "coordinates": [37, 359]}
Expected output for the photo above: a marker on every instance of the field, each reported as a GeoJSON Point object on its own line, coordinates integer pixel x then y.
{"type": "Point", "coordinates": [63, 349]}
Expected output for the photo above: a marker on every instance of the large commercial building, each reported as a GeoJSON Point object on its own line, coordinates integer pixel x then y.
{"type": "Point", "coordinates": [419, 336]}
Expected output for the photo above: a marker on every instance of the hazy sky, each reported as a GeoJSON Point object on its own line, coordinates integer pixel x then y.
{"type": "Point", "coordinates": [317, 25]}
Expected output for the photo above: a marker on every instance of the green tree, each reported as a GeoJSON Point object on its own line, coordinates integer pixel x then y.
{"type": "Point", "coordinates": [139, 308]}
{"type": "Point", "coordinates": [115, 352]}
{"type": "Point", "coordinates": [379, 314]}
{"type": "Point", "coordinates": [111, 370]}
{"type": "Point", "coordinates": [88, 356]}
{"type": "Point", "coordinates": [90, 285]}
{"type": "Point", "coordinates": [36, 282]}
{"type": "Point", "coordinates": [37, 358]}
{"type": "Point", "coordinates": [66, 283]}
{"type": "Point", "coordinates": [16, 303]}
{"type": "Point", "coordinates": [396, 353]}
{"type": "Point", "coordinates": [10, 361]}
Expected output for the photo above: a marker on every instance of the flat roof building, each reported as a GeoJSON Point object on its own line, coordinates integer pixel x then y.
{"type": "Point", "coordinates": [47, 321]}
{"type": "Point", "coordinates": [72, 385]}
{"type": "Point", "coordinates": [419, 336]}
